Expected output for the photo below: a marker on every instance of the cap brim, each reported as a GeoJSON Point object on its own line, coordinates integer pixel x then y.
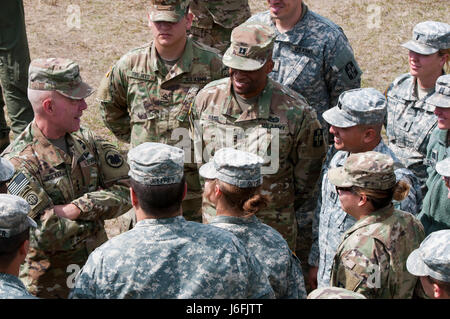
{"type": "Point", "coordinates": [439, 101]}
{"type": "Point", "coordinates": [8, 170]}
{"type": "Point", "coordinates": [241, 63]}
{"type": "Point", "coordinates": [419, 48]}
{"type": "Point", "coordinates": [208, 171]}
{"type": "Point", "coordinates": [415, 265]}
{"type": "Point", "coordinates": [164, 16]}
{"type": "Point", "coordinates": [335, 117]}
{"type": "Point", "coordinates": [82, 91]}
{"type": "Point", "coordinates": [31, 222]}
{"type": "Point", "coordinates": [338, 177]}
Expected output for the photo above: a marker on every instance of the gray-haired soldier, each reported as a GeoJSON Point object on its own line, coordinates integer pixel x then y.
{"type": "Point", "coordinates": [14, 243]}
{"type": "Point", "coordinates": [431, 262]}
{"type": "Point", "coordinates": [6, 172]}
{"type": "Point", "coordinates": [165, 256]}
{"type": "Point", "coordinates": [356, 124]}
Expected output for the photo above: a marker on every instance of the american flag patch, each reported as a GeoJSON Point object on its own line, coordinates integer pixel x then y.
{"type": "Point", "coordinates": [18, 184]}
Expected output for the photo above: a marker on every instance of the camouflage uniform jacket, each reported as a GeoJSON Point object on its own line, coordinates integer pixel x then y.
{"type": "Point", "coordinates": [226, 13]}
{"type": "Point", "coordinates": [282, 125]}
{"type": "Point", "coordinates": [371, 259]}
{"type": "Point", "coordinates": [436, 205]}
{"type": "Point", "coordinates": [330, 222]}
{"type": "Point", "coordinates": [94, 178]}
{"type": "Point", "coordinates": [12, 288]}
{"type": "Point", "coordinates": [172, 258]}
{"type": "Point", "coordinates": [271, 250]}
{"type": "Point", "coordinates": [141, 101]}
{"type": "Point", "coordinates": [409, 124]}
{"type": "Point", "coordinates": [314, 59]}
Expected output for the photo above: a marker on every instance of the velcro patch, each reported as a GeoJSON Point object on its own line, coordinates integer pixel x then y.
{"type": "Point", "coordinates": [351, 70]}
{"type": "Point", "coordinates": [318, 137]}
{"type": "Point", "coordinates": [18, 184]}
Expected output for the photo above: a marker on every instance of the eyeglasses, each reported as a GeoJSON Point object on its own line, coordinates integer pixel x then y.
{"type": "Point", "coordinates": [344, 189]}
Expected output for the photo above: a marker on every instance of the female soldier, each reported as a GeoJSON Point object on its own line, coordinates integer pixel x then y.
{"type": "Point", "coordinates": [410, 118]}
{"type": "Point", "coordinates": [371, 259]}
{"type": "Point", "coordinates": [232, 182]}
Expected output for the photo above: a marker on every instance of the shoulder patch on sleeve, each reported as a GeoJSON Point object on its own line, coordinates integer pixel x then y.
{"type": "Point", "coordinates": [318, 137]}
{"type": "Point", "coordinates": [113, 158]}
{"type": "Point", "coordinates": [18, 184]}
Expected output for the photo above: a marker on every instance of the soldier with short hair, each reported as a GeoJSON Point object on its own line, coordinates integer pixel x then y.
{"type": "Point", "coordinates": [146, 95]}
{"type": "Point", "coordinates": [214, 20]}
{"type": "Point", "coordinates": [72, 180]}
{"type": "Point", "coordinates": [249, 111]}
{"type": "Point", "coordinates": [233, 183]}
{"type": "Point", "coordinates": [436, 204]}
{"type": "Point", "coordinates": [431, 263]}
{"type": "Point", "coordinates": [410, 115]}
{"type": "Point", "coordinates": [371, 259]}
{"type": "Point", "coordinates": [356, 122]}
{"type": "Point", "coordinates": [14, 242]}
{"type": "Point", "coordinates": [164, 255]}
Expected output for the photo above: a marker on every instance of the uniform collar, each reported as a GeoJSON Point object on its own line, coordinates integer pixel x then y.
{"type": "Point", "coordinates": [231, 107]}
{"type": "Point", "coordinates": [183, 64]}
{"type": "Point", "coordinates": [234, 220]}
{"type": "Point", "coordinates": [160, 221]}
{"type": "Point", "coordinates": [375, 217]}
{"type": "Point", "coordinates": [295, 35]}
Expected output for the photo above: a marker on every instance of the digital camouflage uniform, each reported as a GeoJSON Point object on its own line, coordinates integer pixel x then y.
{"type": "Point", "coordinates": [314, 59]}
{"type": "Point", "coordinates": [141, 101]}
{"type": "Point", "coordinates": [14, 61]}
{"type": "Point", "coordinates": [243, 170]}
{"type": "Point", "coordinates": [170, 257]}
{"type": "Point", "coordinates": [436, 204]}
{"type": "Point", "coordinates": [432, 258]}
{"type": "Point", "coordinates": [330, 222]}
{"type": "Point", "coordinates": [214, 20]}
{"type": "Point", "coordinates": [13, 221]}
{"type": "Point", "coordinates": [334, 293]}
{"type": "Point", "coordinates": [93, 178]}
{"type": "Point", "coordinates": [371, 258]}
{"type": "Point", "coordinates": [410, 119]}
{"type": "Point", "coordinates": [280, 127]}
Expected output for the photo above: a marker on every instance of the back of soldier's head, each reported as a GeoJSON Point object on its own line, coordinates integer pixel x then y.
{"type": "Point", "coordinates": [157, 177]}
{"type": "Point", "coordinates": [14, 226]}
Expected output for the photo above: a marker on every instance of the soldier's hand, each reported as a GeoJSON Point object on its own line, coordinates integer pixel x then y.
{"type": "Point", "coordinates": [69, 211]}
{"type": "Point", "coordinates": [312, 277]}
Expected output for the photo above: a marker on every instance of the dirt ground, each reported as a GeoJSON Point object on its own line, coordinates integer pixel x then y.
{"type": "Point", "coordinates": [96, 33]}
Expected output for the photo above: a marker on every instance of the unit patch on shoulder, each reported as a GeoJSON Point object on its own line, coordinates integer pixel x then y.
{"type": "Point", "coordinates": [32, 199]}
{"type": "Point", "coordinates": [113, 159]}
{"type": "Point", "coordinates": [318, 137]}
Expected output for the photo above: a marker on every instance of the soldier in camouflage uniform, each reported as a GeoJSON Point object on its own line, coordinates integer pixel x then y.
{"type": "Point", "coordinates": [311, 54]}
{"type": "Point", "coordinates": [431, 262]}
{"type": "Point", "coordinates": [72, 180]}
{"type": "Point", "coordinates": [165, 256]}
{"type": "Point", "coordinates": [436, 204]}
{"type": "Point", "coordinates": [214, 20]}
{"type": "Point", "coordinates": [410, 118]}
{"type": "Point", "coordinates": [14, 61]}
{"type": "Point", "coordinates": [334, 293]}
{"type": "Point", "coordinates": [371, 258]}
{"type": "Point", "coordinates": [249, 111]}
{"type": "Point", "coordinates": [233, 180]}
{"type": "Point", "coordinates": [14, 241]}
{"type": "Point", "coordinates": [6, 172]}
{"type": "Point", "coordinates": [356, 122]}
{"type": "Point", "coordinates": [147, 94]}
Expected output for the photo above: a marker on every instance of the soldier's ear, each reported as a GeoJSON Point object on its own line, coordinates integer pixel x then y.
{"type": "Point", "coordinates": [133, 198]}
{"type": "Point", "coordinates": [189, 18]}
{"type": "Point", "coordinates": [47, 105]}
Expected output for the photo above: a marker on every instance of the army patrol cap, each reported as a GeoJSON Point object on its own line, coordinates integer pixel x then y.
{"type": "Point", "coordinates": [443, 167]}
{"type": "Point", "coordinates": [14, 216]}
{"type": "Point", "coordinates": [168, 10]}
{"type": "Point", "coordinates": [429, 37]}
{"type": "Point", "coordinates": [156, 164]}
{"type": "Point", "coordinates": [57, 74]}
{"type": "Point", "coordinates": [251, 46]}
{"type": "Point", "coordinates": [441, 95]}
{"type": "Point", "coordinates": [368, 170]}
{"type": "Point", "coordinates": [432, 258]}
{"type": "Point", "coordinates": [6, 169]}
{"type": "Point", "coordinates": [334, 293]}
{"type": "Point", "coordinates": [235, 167]}
{"type": "Point", "coordinates": [357, 107]}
